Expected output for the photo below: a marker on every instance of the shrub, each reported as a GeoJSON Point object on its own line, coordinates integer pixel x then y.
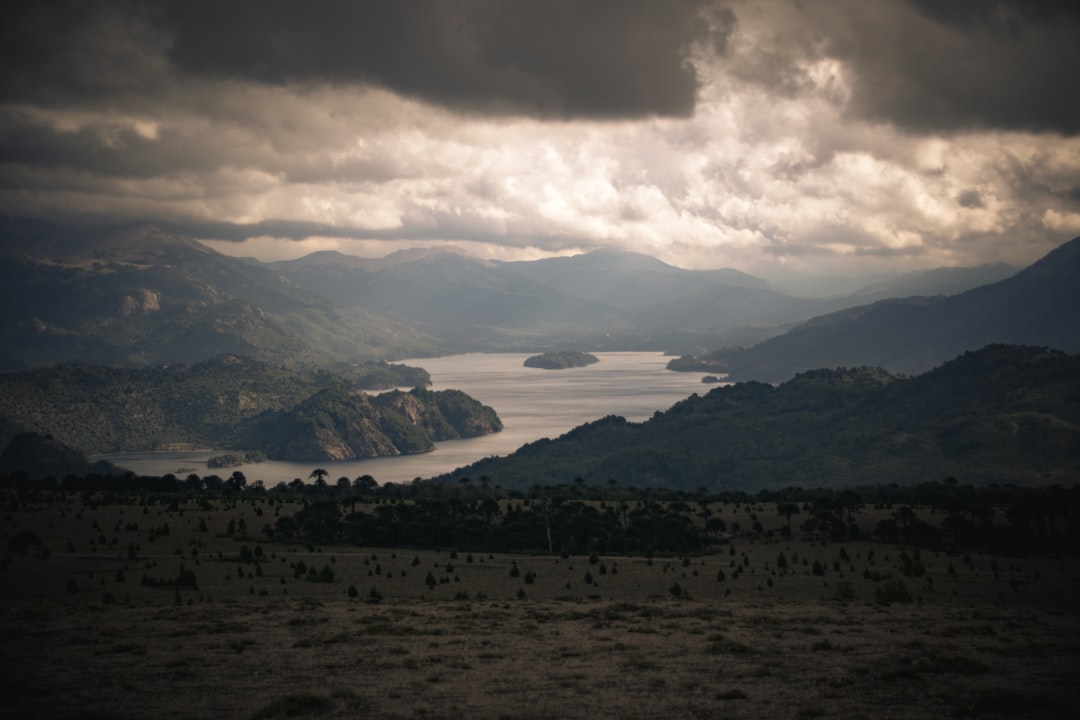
{"type": "Point", "coordinates": [845, 591]}
{"type": "Point", "coordinates": [892, 590]}
{"type": "Point", "coordinates": [295, 705]}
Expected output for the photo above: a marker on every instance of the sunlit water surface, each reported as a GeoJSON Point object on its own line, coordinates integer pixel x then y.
{"type": "Point", "coordinates": [532, 404]}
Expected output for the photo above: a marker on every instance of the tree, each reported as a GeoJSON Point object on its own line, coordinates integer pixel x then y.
{"type": "Point", "coordinates": [320, 477]}
{"type": "Point", "coordinates": [905, 516]}
{"type": "Point", "coordinates": [365, 484]}
{"type": "Point", "coordinates": [489, 508]}
{"type": "Point", "coordinates": [787, 509]}
{"type": "Point", "coordinates": [237, 481]}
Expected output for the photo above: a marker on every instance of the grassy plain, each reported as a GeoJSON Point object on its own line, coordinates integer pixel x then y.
{"type": "Point", "coordinates": [445, 634]}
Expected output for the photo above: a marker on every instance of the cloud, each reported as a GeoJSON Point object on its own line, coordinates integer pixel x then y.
{"type": "Point", "coordinates": [556, 58]}
{"type": "Point", "coordinates": [754, 135]}
{"type": "Point", "coordinates": [926, 66]}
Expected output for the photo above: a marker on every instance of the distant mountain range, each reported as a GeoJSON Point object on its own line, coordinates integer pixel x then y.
{"type": "Point", "coordinates": [1007, 414]}
{"type": "Point", "coordinates": [1039, 305]}
{"type": "Point", "coordinates": [603, 300]}
{"type": "Point", "coordinates": [140, 296]}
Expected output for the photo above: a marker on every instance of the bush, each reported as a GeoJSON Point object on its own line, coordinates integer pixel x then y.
{"type": "Point", "coordinates": [294, 705]}
{"type": "Point", "coordinates": [845, 591]}
{"type": "Point", "coordinates": [893, 590]}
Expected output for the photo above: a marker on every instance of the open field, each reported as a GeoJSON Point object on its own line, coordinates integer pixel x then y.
{"type": "Point", "coordinates": [101, 621]}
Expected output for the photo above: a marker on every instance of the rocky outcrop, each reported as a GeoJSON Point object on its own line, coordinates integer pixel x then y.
{"type": "Point", "coordinates": [347, 425]}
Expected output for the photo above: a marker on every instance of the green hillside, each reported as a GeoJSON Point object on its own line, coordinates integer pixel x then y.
{"type": "Point", "coordinates": [230, 403]}
{"type": "Point", "coordinates": [1007, 414]}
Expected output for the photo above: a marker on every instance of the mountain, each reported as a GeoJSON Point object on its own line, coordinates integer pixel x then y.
{"type": "Point", "coordinates": [1039, 305]}
{"type": "Point", "coordinates": [466, 302]}
{"type": "Point", "coordinates": [624, 279]}
{"type": "Point", "coordinates": [142, 296]}
{"type": "Point", "coordinates": [936, 281]}
{"type": "Point", "coordinates": [231, 403]}
{"type": "Point", "coordinates": [604, 299]}
{"type": "Point", "coordinates": [1008, 414]}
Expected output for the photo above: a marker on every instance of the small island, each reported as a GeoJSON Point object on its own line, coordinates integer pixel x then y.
{"type": "Point", "coordinates": [561, 360]}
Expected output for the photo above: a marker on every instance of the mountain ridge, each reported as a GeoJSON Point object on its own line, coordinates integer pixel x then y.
{"type": "Point", "coordinates": [1007, 414]}
{"type": "Point", "coordinates": [142, 296]}
{"type": "Point", "coordinates": [1036, 306]}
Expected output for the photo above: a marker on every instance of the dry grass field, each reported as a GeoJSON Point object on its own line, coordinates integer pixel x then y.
{"type": "Point", "coordinates": [100, 621]}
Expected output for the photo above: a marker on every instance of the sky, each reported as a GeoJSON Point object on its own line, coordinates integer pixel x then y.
{"type": "Point", "coordinates": [784, 137]}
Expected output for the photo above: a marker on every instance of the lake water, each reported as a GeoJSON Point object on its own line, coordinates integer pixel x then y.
{"type": "Point", "coordinates": [532, 404]}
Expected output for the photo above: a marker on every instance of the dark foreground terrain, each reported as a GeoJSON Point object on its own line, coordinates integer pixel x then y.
{"type": "Point", "coordinates": [146, 609]}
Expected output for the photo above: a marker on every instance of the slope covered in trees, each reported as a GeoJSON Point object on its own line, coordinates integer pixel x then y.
{"type": "Point", "coordinates": [231, 403]}
{"type": "Point", "coordinates": [1006, 414]}
{"type": "Point", "coordinates": [561, 360]}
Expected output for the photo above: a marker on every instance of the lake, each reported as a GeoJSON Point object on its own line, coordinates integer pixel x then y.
{"type": "Point", "coordinates": [532, 404]}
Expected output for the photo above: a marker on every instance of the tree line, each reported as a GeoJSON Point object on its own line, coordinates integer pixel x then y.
{"type": "Point", "coordinates": [579, 518]}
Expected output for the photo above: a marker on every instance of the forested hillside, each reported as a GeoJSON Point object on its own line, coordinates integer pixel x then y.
{"type": "Point", "coordinates": [230, 403]}
{"type": "Point", "coordinates": [1006, 414]}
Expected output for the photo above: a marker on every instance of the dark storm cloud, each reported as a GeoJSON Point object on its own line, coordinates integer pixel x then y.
{"type": "Point", "coordinates": [555, 58]}
{"type": "Point", "coordinates": [64, 52]}
{"type": "Point", "coordinates": [967, 65]}
{"type": "Point", "coordinates": [558, 59]}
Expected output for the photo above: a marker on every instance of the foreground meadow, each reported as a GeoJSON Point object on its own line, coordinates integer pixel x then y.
{"type": "Point", "coordinates": [186, 610]}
